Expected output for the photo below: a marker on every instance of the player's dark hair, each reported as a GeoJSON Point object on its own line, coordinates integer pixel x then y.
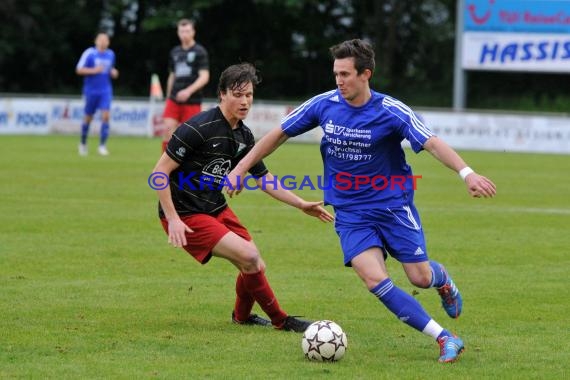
{"type": "Point", "coordinates": [360, 50]}
{"type": "Point", "coordinates": [186, 21]}
{"type": "Point", "coordinates": [236, 76]}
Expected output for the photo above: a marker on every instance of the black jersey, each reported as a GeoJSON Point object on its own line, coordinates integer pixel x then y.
{"type": "Point", "coordinates": [185, 64]}
{"type": "Point", "coordinates": [207, 149]}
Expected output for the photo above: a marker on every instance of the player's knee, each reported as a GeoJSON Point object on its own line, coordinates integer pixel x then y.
{"type": "Point", "coordinates": [250, 261]}
{"type": "Point", "coordinates": [372, 280]}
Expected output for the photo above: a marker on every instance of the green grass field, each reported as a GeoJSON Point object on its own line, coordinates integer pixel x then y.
{"type": "Point", "coordinates": [89, 287]}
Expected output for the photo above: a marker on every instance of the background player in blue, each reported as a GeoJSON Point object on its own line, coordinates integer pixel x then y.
{"type": "Point", "coordinates": [97, 65]}
{"type": "Point", "coordinates": [363, 131]}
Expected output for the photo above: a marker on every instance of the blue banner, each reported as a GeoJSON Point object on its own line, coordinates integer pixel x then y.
{"type": "Point", "coordinates": [527, 16]}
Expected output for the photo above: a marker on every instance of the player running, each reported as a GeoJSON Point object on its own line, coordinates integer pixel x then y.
{"type": "Point", "coordinates": [97, 65]}
{"type": "Point", "coordinates": [193, 210]}
{"type": "Point", "coordinates": [363, 131]}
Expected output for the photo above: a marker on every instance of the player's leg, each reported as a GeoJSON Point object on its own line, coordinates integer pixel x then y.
{"type": "Point", "coordinates": [370, 267]}
{"type": "Point", "coordinates": [223, 236]}
{"type": "Point", "coordinates": [89, 111]}
{"type": "Point", "coordinates": [405, 240]}
{"type": "Point", "coordinates": [252, 280]}
{"type": "Point", "coordinates": [208, 232]}
{"type": "Point", "coordinates": [252, 277]}
{"type": "Point", "coordinates": [431, 274]}
{"type": "Point", "coordinates": [104, 106]}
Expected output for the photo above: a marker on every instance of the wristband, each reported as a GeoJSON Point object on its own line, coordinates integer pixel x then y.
{"type": "Point", "coordinates": [463, 173]}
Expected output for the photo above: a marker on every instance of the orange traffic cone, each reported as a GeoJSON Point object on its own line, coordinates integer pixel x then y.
{"type": "Point", "coordinates": [155, 88]}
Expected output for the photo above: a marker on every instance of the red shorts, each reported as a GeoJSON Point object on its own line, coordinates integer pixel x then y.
{"type": "Point", "coordinates": [180, 112]}
{"type": "Point", "coordinates": [208, 231]}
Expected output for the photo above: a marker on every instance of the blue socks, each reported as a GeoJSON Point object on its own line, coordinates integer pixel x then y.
{"type": "Point", "coordinates": [104, 133]}
{"type": "Point", "coordinates": [401, 304]}
{"type": "Point", "coordinates": [438, 275]}
{"type": "Point", "coordinates": [84, 132]}
{"type": "Point", "coordinates": [407, 309]}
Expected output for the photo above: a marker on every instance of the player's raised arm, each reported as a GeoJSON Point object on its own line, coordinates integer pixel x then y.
{"type": "Point", "coordinates": [262, 148]}
{"type": "Point", "coordinates": [477, 185]}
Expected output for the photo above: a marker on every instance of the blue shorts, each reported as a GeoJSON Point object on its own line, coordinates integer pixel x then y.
{"type": "Point", "coordinates": [397, 230]}
{"type": "Point", "coordinates": [93, 102]}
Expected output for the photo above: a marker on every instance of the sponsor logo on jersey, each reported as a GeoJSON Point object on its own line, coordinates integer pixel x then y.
{"type": "Point", "coordinates": [181, 151]}
{"type": "Point", "coordinates": [330, 127]}
{"type": "Point", "coordinates": [217, 168]}
{"type": "Point", "coordinates": [240, 147]}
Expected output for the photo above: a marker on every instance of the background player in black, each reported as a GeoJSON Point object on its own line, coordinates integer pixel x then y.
{"type": "Point", "coordinates": [189, 72]}
{"type": "Point", "coordinates": [194, 212]}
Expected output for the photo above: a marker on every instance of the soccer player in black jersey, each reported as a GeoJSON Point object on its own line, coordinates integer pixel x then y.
{"type": "Point", "coordinates": [189, 72]}
{"type": "Point", "coordinates": [193, 210]}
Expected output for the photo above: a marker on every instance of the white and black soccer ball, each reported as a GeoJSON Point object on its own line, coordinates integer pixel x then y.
{"type": "Point", "coordinates": [324, 341]}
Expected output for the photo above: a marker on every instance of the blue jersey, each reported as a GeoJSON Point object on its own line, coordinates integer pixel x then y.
{"type": "Point", "coordinates": [364, 163]}
{"type": "Point", "coordinates": [97, 83]}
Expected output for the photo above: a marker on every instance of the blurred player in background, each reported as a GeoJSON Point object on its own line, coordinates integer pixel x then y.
{"type": "Point", "coordinates": [363, 131]}
{"type": "Point", "coordinates": [97, 66]}
{"type": "Point", "coordinates": [193, 210]}
{"type": "Point", "coordinates": [188, 74]}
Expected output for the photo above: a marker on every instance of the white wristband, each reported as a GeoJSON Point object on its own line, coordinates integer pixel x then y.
{"type": "Point", "coordinates": [463, 173]}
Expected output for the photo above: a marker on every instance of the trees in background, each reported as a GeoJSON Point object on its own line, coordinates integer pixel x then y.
{"type": "Point", "coordinates": [287, 40]}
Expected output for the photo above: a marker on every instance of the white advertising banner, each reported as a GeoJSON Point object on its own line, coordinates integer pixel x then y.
{"type": "Point", "coordinates": [516, 52]}
{"type": "Point", "coordinates": [127, 117]}
{"type": "Point", "coordinates": [501, 132]}
{"type": "Point", "coordinates": [24, 116]}
{"type": "Point", "coordinates": [462, 130]}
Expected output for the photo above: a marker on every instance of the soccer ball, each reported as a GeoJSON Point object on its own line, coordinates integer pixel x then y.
{"type": "Point", "coordinates": [324, 341]}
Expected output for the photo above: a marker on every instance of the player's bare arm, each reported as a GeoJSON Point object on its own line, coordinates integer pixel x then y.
{"type": "Point", "coordinates": [268, 143]}
{"type": "Point", "coordinates": [477, 185]}
{"type": "Point", "coordinates": [271, 186]}
{"type": "Point", "coordinates": [90, 70]}
{"type": "Point", "coordinates": [169, 82]}
{"type": "Point", "coordinates": [176, 228]}
{"type": "Point", "coordinates": [200, 82]}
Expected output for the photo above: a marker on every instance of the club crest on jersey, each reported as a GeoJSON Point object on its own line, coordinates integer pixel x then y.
{"type": "Point", "coordinates": [191, 56]}
{"type": "Point", "coordinates": [334, 129]}
{"type": "Point", "coordinates": [217, 168]}
{"type": "Point", "coordinates": [181, 151]}
{"type": "Point", "coordinates": [240, 148]}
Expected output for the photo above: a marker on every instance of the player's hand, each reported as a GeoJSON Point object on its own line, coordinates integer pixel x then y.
{"type": "Point", "coordinates": [99, 69]}
{"type": "Point", "coordinates": [177, 230]}
{"type": "Point", "coordinates": [479, 186]}
{"type": "Point", "coordinates": [114, 73]}
{"type": "Point", "coordinates": [183, 95]}
{"type": "Point", "coordinates": [317, 210]}
{"type": "Point", "coordinates": [234, 183]}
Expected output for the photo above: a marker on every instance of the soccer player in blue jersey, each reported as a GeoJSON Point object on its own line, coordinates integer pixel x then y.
{"type": "Point", "coordinates": [97, 66]}
{"type": "Point", "coordinates": [375, 215]}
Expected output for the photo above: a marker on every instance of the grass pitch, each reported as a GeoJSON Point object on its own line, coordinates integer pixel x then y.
{"type": "Point", "coordinates": [91, 289]}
